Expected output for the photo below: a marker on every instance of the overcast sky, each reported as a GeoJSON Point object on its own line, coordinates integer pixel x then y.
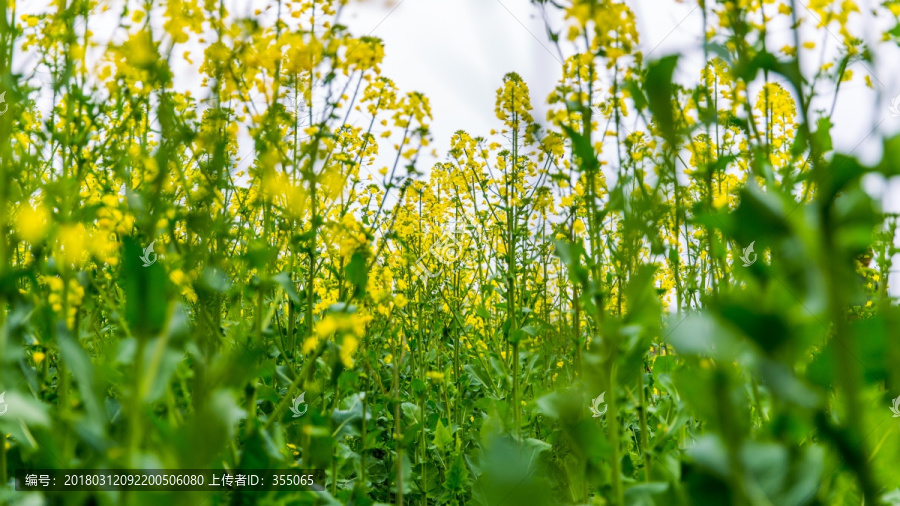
{"type": "Point", "coordinates": [458, 51]}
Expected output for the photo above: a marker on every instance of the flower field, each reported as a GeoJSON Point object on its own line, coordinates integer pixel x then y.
{"type": "Point", "coordinates": [670, 289]}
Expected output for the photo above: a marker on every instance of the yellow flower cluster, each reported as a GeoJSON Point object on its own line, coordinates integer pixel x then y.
{"type": "Point", "coordinates": [58, 295]}
{"type": "Point", "coordinates": [182, 15]}
{"type": "Point", "coordinates": [113, 219]}
{"type": "Point", "coordinates": [75, 244]}
{"type": "Point", "coordinates": [350, 326]}
{"type": "Point", "coordinates": [362, 54]}
{"type": "Point", "coordinates": [32, 223]}
{"type": "Point", "coordinates": [839, 11]}
{"type": "Point", "coordinates": [183, 282]}
{"type": "Point", "coordinates": [614, 28]}
{"type": "Point", "coordinates": [513, 102]}
{"type": "Point", "coordinates": [284, 192]}
{"type": "Point", "coordinates": [348, 234]}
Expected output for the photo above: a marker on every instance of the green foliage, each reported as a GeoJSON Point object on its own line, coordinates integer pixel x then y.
{"type": "Point", "coordinates": [660, 294]}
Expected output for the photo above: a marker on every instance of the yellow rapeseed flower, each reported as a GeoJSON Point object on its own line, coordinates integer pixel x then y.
{"type": "Point", "coordinates": [71, 241]}
{"type": "Point", "coordinates": [348, 350]}
{"type": "Point", "coordinates": [32, 222]}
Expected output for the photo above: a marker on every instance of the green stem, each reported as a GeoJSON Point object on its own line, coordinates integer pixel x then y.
{"type": "Point", "coordinates": [645, 447]}
{"type": "Point", "coordinates": [612, 424]}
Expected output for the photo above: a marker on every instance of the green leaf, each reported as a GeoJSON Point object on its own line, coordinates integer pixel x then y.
{"type": "Point", "coordinates": [348, 421]}
{"type": "Point", "coordinates": [895, 31]}
{"type": "Point", "coordinates": [412, 411]}
{"type": "Point", "coordinates": [643, 304]}
{"type": "Point", "coordinates": [747, 69]}
{"type": "Point", "coordinates": [660, 92]}
{"type": "Point", "coordinates": [145, 291]}
{"type": "Point", "coordinates": [643, 494]}
{"type": "Point", "coordinates": [457, 477]}
{"type": "Point", "coordinates": [516, 336]}
{"type": "Point", "coordinates": [215, 280]}
{"type": "Point", "coordinates": [284, 280]}
{"type": "Point", "coordinates": [357, 274]}
{"type": "Point", "coordinates": [800, 144]}
{"type": "Point", "coordinates": [702, 335]}
{"type": "Point", "coordinates": [766, 326]}
{"type": "Point", "coordinates": [442, 436]}
{"type": "Point", "coordinates": [636, 93]}
{"type": "Point", "coordinates": [709, 452]}
{"type": "Point", "coordinates": [841, 172]}
{"type": "Point", "coordinates": [79, 363]}
{"type": "Point", "coordinates": [478, 375]}
{"type": "Point", "coordinates": [571, 254]}
{"type": "Point", "coordinates": [890, 161]}
{"type": "Point", "coordinates": [24, 409]}
{"type": "Point", "coordinates": [759, 215]}
{"type": "Point", "coordinates": [822, 135]}
{"type": "Point", "coordinates": [260, 451]}
{"type": "Point", "coordinates": [513, 474]}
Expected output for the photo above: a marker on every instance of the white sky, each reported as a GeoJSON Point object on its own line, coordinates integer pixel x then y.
{"type": "Point", "coordinates": [458, 51]}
